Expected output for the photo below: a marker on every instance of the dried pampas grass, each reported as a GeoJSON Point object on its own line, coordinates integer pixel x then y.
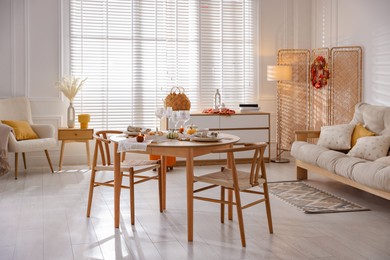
{"type": "Point", "coordinates": [70, 86]}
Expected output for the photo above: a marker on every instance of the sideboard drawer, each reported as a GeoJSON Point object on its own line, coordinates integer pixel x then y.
{"type": "Point", "coordinates": [205, 121]}
{"type": "Point", "coordinates": [251, 136]}
{"type": "Point", "coordinates": [244, 121]}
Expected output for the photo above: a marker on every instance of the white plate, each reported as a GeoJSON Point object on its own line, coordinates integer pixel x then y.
{"type": "Point", "coordinates": [206, 139]}
{"type": "Point", "coordinates": [131, 133]}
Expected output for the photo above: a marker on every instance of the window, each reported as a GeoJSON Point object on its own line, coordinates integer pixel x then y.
{"type": "Point", "coordinates": [133, 52]}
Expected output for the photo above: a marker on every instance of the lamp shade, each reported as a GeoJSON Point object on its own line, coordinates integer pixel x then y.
{"type": "Point", "coordinates": [279, 72]}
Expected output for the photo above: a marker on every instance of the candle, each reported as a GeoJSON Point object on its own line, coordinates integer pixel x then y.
{"type": "Point", "coordinates": [140, 138]}
{"type": "Point", "coordinates": [181, 129]}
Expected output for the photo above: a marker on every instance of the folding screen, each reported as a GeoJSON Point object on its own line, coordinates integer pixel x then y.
{"type": "Point", "coordinates": [302, 106]}
{"type": "Point", "coordinates": [292, 97]}
{"type": "Point", "coordinates": [345, 82]}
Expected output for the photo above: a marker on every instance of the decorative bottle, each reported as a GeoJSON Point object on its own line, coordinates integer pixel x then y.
{"type": "Point", "coordinates": [71, 115]}
{"type": "Point", "coordinates": [217, 99]}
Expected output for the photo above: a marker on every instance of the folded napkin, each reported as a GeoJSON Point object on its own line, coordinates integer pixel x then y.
{"type": "Point", "coordinates": [131, 144]}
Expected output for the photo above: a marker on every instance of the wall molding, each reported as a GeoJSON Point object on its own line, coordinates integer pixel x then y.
{"type": "Point", "coordinates": [28, 87]}
{"type": "Point", "coordinates": [26, 48]}
{"type": "Point", "coordinates": [12, 51]}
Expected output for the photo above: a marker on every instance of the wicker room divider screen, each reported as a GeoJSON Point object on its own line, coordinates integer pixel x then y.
{"type": "Point", "coordinates": [292, 97]}
{"type": "Point", "coordinates": [300, 106]}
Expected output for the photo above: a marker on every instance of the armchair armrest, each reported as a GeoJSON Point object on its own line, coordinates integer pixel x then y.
{"type": "Point", "coordinates": [44, 131]}
{"type": "Point", "coordinates": [306, 134]}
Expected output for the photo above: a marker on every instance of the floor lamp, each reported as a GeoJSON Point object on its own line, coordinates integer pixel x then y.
{"type": "Point", "coordinates": [279, 73]}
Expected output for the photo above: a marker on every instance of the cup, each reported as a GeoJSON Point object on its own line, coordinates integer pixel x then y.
{"type": "Point", "coordinates": [84, 120]}
{"type": "Point", "coordinates": [203, 132]}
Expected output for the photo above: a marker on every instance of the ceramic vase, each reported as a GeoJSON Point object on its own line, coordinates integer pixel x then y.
{"type": "Point", "coordinates": [71, 115]}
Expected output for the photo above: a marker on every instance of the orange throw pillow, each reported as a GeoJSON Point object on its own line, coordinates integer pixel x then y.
{"type": "Point", "coordinates": [360, 131]}
{"type": "Point", "coordinates": [22, 129]}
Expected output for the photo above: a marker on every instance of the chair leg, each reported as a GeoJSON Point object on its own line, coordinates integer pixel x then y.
{"type": "Point", "coordinates": [268, 207]}
{"type": "Point", "coordinates": [132, 208]}
{"type": "Point", "coordinates": [48, 159]}
{"type": "Point", "coordinates": [266, 196]}
{"type": "Point", "coordinates": [230, 205]}
{"type": "Point", "coordinates": [24, 160]}
{"type": "Point", "coordinates": [16, 166]}
{"type": "Point", "coordinates": [222, 205]}
{"type": "Point", "coordinates": [239, 216]}
{"type": "Point", "coordinates": [90, 195]}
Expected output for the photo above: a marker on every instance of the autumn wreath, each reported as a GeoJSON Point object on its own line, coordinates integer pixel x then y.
{"type": "Point", "coordinates": [319, 72]}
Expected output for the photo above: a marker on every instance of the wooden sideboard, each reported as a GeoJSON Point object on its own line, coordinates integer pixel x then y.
{"type": "Point", "coordinates": [250, 127]}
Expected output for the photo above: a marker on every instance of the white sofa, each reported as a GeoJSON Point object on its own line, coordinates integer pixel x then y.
{"type": "Point", "coordinates": [369, 175]}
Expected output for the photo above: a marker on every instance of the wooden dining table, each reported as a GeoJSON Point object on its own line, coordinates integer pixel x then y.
{"type": "Point", "coordinates": [184, 149]}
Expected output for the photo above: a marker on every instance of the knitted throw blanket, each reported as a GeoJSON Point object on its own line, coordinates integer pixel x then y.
{"type": "Point", "coordinates": [4, 132]}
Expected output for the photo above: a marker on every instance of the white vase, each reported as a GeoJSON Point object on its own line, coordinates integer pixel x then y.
{"type": "Point", "coordinates": [71, 115]}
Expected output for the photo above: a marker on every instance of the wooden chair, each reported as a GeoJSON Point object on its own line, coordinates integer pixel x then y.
{"type": "Point", "coordinates": [236, 181]}
{"type": "Point", "coordinates": [129, 168]}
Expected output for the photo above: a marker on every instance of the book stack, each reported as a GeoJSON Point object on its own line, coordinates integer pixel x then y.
{"type": "Point", "coordinates": [249, 107]}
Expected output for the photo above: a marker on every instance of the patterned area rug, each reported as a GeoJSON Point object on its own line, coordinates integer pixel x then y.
{"type": "Point", "coordinates": [311, 200]}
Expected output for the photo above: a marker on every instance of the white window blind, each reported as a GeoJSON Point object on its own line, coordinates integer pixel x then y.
{"type": "Point", "coordinates": [133, 52]}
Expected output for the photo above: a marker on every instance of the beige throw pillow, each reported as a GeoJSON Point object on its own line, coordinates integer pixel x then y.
{"type": "Point", "coordinates": [371, 147]}
{"type": "Point", "coordinates": [336, 137]}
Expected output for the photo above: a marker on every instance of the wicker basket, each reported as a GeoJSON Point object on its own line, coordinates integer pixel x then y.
{"type": "Point", "coordinates": [177, 99]}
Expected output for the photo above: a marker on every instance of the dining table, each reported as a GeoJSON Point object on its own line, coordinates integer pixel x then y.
{"type": "Point", "coordinates": [188, 149]}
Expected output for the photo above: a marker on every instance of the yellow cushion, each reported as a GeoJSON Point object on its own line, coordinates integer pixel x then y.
{"type": "Point", "coordinates": [22, 129]}
{"type": "Point", "coordinates": [360, 131]}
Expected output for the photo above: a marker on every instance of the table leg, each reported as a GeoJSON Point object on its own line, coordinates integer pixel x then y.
{"type": "Point", "coordinates": [164, 181]}
{"type": "Point", "coordinates": [190, 193]}
{"type": "Point", "coordinates": [230, 192]}
{"type": "Point", "coordinates": [61, 154]}
{"type": "Point", "coordinates": [117, 185]}
{"type": "Point", "coordinates": [88, 157]}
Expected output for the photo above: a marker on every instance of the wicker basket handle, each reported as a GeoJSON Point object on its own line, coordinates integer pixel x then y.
{"type": "Point", "coordinates": [178, 90]}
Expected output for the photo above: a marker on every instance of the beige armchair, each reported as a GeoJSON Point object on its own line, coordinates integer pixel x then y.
{"type": "Point", "coordinates": [19, 108]}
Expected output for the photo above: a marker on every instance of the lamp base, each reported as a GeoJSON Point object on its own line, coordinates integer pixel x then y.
{"type": "Point", "coordinates": [280, 160]}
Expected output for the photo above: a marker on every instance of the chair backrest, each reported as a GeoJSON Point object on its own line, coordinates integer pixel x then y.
{"type": "Point", "coordinates": [17, 108]}
{"type": "Point", "coordinates": [257, 162]}
{"type": "Point", "coordinates": [102, 146]}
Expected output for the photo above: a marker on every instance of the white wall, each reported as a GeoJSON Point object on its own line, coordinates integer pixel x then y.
{"type": "Point", "coordinates": [284, 24]}
{"type": "Point", "coordinates": [30, 64]}
{"type": "Point", "coordinates": [363, 23]}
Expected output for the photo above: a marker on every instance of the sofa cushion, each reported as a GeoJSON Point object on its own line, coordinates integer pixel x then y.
{"type": "Point", "coordinates": [371, 147]}
{"type": "Point", "coordinates": [345, 165]}
{"type": "Point", "coordinates": [372, 174]}
{"type": "Point", "coordinates": [307, 152]}
{"type": "Point", "coordinates": [337, 137]}
{"type": "Point", "coordinates": [329, 159]}
{"type": "Point", "coordinates": [385, 160]}
{"type": "Point", "coordinates": [375, 118]}
{"type": "Point", "coordinates": [360, 131]}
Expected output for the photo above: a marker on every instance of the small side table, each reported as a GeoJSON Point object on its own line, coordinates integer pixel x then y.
{"type": "Point", "coordinates": [69, 135]}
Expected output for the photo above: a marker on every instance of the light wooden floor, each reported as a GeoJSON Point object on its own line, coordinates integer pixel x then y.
{"type": "Point", "coordinates": [42, 216]}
